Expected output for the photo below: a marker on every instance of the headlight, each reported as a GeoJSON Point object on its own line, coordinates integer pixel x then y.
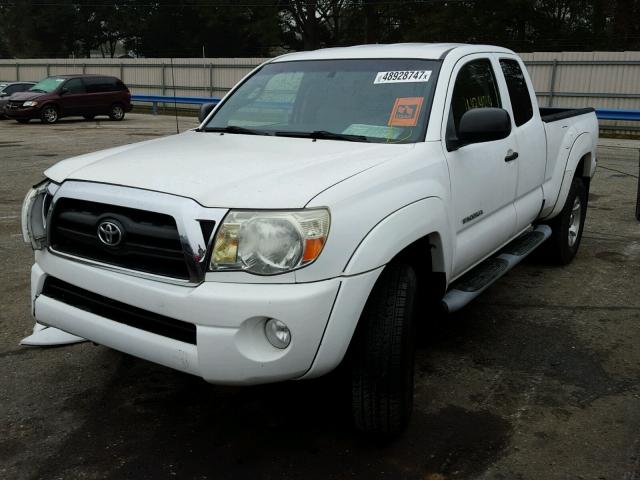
{"type": "Point", "coordinates": [270, 242]}
{"type": "Point", "coordinates": [30, 103]}
{"type": "Point", "coordinates": [34, 214]}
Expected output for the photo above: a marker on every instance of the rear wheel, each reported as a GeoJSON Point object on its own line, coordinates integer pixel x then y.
{"type": "Point", "coordinates": [562, 246]}
{"type": "Point", "coordinates": [382, 356]}
{"type": "Point", "coordinates": [49, 114]}
{"type": "Point", "coordinates": [116, 112]}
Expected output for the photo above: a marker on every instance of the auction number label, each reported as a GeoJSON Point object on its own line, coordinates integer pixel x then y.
{"type": "Point", "coordinates": [403, 76]}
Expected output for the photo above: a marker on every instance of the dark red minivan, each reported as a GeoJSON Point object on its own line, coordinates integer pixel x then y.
{"type": "Point", "coordinates": [71, 95]}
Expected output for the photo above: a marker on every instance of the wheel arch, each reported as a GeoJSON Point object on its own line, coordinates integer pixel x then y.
{"type": "Point", "coordinates": [580, 163]}
{"type": "Point", "coordinates": [411, 233]}
{"type": "Point", "coordinates": [51, 103]}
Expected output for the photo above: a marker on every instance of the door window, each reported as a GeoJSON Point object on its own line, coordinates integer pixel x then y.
{"type": "Point", "coordinates": [518, 91]}
{"type": "Point", "coordinates": [74, 85]}
{"type": "Point", "coordinates": [475, 87]}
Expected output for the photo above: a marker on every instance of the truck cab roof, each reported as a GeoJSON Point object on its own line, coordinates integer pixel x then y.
{"type": "Point", "coordinates": [427, 51]}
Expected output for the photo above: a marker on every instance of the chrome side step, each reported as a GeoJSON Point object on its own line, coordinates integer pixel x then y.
{"type": "Point", "coordinates": [477, 280]}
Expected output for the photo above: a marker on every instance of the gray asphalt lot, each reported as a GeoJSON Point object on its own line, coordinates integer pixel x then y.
{"type": "Point", "coordinates": [537, 379]}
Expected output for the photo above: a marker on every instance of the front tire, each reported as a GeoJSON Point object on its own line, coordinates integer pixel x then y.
{"type": "Point", "coordinates": [562, 246]}
{"type": "Point", "coordinates": [49, 114]}
{"type": "Point", "coordinates": [116, 112]}
{"type": "Point", "coordinates": [382, 356]}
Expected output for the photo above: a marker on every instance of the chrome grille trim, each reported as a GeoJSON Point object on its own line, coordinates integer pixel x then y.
{"type": "Point", "coordinates": [186, 212]}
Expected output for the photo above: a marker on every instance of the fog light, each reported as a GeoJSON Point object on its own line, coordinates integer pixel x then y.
{"type": "Point", "coordinates": [277, 333]}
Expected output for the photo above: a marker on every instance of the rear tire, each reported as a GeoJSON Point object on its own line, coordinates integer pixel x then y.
{"type": "Point", "coordinates": [382, 356]}
{"type": "Point", "coordinates": [116, 112]}
{"type": "Point", "coordinates": [562, 246]}
{"type": "Point", "coordinates": [49, 114]}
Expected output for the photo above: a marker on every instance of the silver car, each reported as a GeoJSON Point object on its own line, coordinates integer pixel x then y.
{"type": "Point", "coordinates": [8, 89]}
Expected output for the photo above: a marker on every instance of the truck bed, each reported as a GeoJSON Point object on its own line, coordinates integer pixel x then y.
{"type": "Point", "coordinates": [549, 114]}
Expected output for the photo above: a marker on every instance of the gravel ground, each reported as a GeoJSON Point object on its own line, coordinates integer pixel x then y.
{"type": "Point", "coordinates": [537, 379]}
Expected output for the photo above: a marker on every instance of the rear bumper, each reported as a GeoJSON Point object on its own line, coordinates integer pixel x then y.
{"type": "Point", "coordinates": [231, 347]}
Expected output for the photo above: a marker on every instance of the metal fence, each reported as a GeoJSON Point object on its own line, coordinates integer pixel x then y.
{"type": "Point", "coordinates": [609, 80]}
{"type": "Point", "coordinates": [157, 76]}
{"type": "Point", "coordinates": [562, 79]}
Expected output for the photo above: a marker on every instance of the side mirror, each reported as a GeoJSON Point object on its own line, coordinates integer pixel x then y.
{"type": "Point", "coordinates": [483, 125]}
{"type": "Point", "coordinates": [205, 110]}
{"type": "Point", "coordinates": [64, 91]}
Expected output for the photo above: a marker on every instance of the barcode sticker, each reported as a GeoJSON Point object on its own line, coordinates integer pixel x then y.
{"type": "Point", "coordinates": [403, 76]}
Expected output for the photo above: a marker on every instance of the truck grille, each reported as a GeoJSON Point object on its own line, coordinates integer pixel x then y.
{"type": "Point", "coordinates": [130, 238]}
{"type": "Point", "coordinates": [118, 311]}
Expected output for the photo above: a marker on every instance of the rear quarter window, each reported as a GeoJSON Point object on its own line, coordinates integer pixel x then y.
{"type": "Point", "coordinates": [518, 91]}
{"type": "Point", "coordinates": [102, 84]}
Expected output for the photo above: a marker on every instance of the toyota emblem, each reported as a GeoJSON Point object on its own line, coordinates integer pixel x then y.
{"type": "Point", "coordinates": [110, 233]}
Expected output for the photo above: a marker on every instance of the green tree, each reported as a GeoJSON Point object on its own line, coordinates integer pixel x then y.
{"type": "Point", "coordinates": [35, 31]}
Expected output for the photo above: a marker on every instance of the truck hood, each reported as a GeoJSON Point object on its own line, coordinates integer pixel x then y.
{"type": "Point", "coordinates": [230, 171]}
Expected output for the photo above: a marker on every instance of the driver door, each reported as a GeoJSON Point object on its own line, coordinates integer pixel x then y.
{"type": "Point", "coordinates": [483, 178]}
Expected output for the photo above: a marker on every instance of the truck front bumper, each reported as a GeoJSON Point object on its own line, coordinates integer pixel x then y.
{"type": "Point", "coordinates": [230, 346]}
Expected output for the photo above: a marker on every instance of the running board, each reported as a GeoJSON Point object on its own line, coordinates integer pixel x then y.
{"type": "Point", "coordinates": [478, 279]}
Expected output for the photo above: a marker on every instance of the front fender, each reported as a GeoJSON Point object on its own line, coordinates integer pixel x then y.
{"type": "Point", "coordinates": [383, 242]}
{"type": "Point", "coordinates": [399, 230]}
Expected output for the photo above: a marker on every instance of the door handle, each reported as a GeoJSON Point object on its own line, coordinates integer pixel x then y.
{"type": "Point", "coordinates": [511, 156]}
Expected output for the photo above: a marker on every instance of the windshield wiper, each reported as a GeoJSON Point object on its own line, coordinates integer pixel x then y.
{"type": "Point", "coordinates": [37, 90]}
{"type": "Point", "coordinates": [235, 129]}
{"type": "Point", "coordinates": [324, 135]}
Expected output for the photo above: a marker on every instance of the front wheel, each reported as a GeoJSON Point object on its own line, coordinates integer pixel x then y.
{"type": "Point", "coordinates": [562, 246]}
{"type": "Point", "coordinates": [382, 356]}
{"type": "Point", "coordinates": [116, 112]}
{"type": "Point", "coordinates": [49, 114]}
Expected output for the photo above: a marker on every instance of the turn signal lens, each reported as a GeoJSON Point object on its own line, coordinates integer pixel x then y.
{"type": "Point", "coordinates": [312, 249]}
{"type": "Point", "coordinates": [35, 208]}
{"type": "Point", "coordinates": [226, 251]}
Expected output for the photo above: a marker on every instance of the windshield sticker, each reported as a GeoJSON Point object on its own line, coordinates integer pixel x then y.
{"type": "Point", "coordinates": [406, 111]}
{"type": "Point", "coordinates": [402, 76]}
{"type": "Point", "coordinates": [376, 131]}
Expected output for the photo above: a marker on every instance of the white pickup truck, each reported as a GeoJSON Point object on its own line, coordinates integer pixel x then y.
{"type": "Point", "coordinates": [328, 204]}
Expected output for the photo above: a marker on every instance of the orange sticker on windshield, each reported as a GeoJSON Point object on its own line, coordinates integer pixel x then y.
{"type": "Point", "coordinates": [405, 112]}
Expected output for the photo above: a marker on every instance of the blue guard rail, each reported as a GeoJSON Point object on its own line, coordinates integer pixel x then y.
{"type": "Point", "coordinates": [156, 99]}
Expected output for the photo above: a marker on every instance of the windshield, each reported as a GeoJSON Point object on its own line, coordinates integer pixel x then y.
{"type": "Point", "coordinates": [373, 100]}
{"type": "Point", "coordinates": [47, 85]}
